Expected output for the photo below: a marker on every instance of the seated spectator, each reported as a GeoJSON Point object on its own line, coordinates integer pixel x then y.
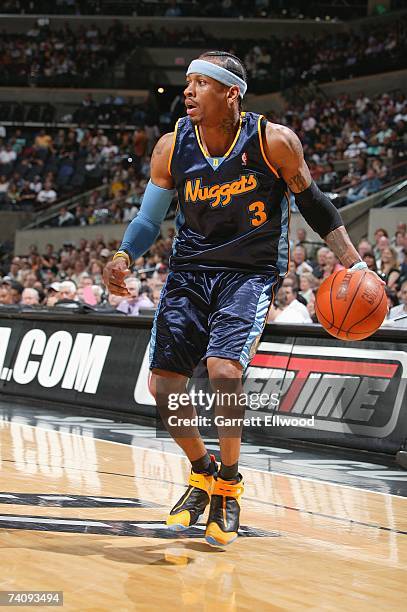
{"type": "Point", "coordinates": [7, 157]}
{"type": "Point", "coordinates": [332, 264]}
{"type": "Point", "coordinates": [398, 314]}
{"type": "Point", "coordinates": [289, 309]}
{"type": "Point", "coordinates": [43, 141]}
{"type": "Point", "coordinates": [4, 185]}
{"type": "Point", "coordinates": [400, 243]}
{"type": "Point", "coordinates": [329, 180]}
{"type": "Point", "coordinates": [98, 293]}
{"type": "Point", "coordinates": [319, 265]}
{"type": "Point", "coordinates": [14, 288]}
{"type": "Point", "coordinates": [356, 147]}
{"type": "Point", "coordinates": [389, 269]}
{"type": "Point", "coordinates": [129, 212]}
{"type": "Point", "coordinates": [67, 293]}
{"type": "Point", "coordinates": [301, 236]}
{"type": "Point", "coordinates": [36, 185]}
{"type": "Point", "coordinates": [301, 240]}
{"type": "Point", "coordinates": [27, 195]}
{"type": "Point", "coordinates": [13, 195]}
{"type": "Point", "coordinates": [156, 294]}
{"type": "Point", "coordinates": [30, 297]}
{"type": "Point", "coordinates": [291, 280]}
{"type": "Point", "coordinates": [109, 150]}
{"type": "Point", "coordinates": [132, 304]}
{"type": "Point", "coordinates": [381, 242]}
{"type": "Point", "coordinates": [392, 300]}
{"type": "Point", "coordinates": [380, 169]}
{"type": "Point", "coordinates": [307, 285]}
{"type": "Point", "coordinates": [65, 217]}
{"type": "Point", "coordinates": [113, 302]}
{"type": "Point", "coordinates": [364, 246]}
{"type": "Point", "coordinates": [81, 218]}
{"type": "Point", "coordinates": [301, 265]}
{"type": "Point", "coordinates": [369, 258]}
{"type": "Point", "coordinates": [47, 195]}
{"type": "Point", "coordinates": [5, 295]}
{"type": "Point", "coordinates": [161, 273]}
{"type": "Point", "coordinates": [52, 295]}
{"type": "Point", "coordinates": [364, 188]}
{"type": "Point", "coordinates": [311, 307]}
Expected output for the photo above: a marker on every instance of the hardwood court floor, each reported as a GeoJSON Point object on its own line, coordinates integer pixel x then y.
{"type": "Point", "coordinates": [85, 516]}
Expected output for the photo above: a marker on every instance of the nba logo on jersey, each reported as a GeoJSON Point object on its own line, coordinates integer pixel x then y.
{"type": "Point", "coordinates": [244, 159]}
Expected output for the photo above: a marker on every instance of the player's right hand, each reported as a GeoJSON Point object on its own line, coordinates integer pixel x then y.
{"type": "Point", "coordinates": [114, 274]}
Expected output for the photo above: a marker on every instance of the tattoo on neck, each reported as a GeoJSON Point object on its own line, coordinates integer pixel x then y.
{"type": "Point", "coordinates": [229, 125]}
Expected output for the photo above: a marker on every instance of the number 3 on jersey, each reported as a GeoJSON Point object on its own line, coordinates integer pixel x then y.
{"type": "Point", "coordinates": [259, 215]}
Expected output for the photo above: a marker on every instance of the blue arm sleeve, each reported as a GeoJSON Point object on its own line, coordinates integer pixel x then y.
{"type": "Point", "coordinates": [144, 228]}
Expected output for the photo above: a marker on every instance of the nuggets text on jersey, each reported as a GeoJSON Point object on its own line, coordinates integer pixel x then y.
{"type": "Point", "coordinates": [218, 194]}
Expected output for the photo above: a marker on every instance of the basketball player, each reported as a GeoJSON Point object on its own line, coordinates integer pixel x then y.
{"type": "Point", "coordinates": [231, 171]}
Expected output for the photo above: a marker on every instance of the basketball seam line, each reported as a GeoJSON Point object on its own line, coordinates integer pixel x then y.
{"type": "Point", "coordinates": [350, 305]}
{"type": "Point", "coordinates": [369, 315]}
{"type": "Point", "coordinates": [330, 298]}
{"type": "Point", "coordinates": [319, 314]}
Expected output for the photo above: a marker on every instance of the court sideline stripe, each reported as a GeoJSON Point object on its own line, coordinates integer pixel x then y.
{"type": "Point", "coordinates": [157, 450]}
{"type": "Point", "coordinates": [255, 500]}
{"type": "Point", "coordinates": [251, 499]}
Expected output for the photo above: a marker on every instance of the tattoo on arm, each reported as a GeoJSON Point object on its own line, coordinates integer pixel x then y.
{"type": "Point", "coordinates": [159, 162]}
{"type": "Point", "coordinates": [292, 166]}
{"type": "Point", "coordinates": [158, 150]}
{"type": "Point", "coordinates": [339, 242]}
{"type": "Point", "coordinates": [297, 183]}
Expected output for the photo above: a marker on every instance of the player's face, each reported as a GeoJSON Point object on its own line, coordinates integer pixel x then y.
{"type": "Point", "coordinates": [205, 99]}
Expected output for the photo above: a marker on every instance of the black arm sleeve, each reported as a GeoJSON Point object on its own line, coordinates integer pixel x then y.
{"type": "Point", "coordinates": [318, 210]}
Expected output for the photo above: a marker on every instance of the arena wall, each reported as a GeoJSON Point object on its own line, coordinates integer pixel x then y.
{"type": "Point", "coordinates": [57, 236]}
{"type": "Point", "coordinates": [386, 218]}
{"type": "Point", "coordinates": [349, 394]}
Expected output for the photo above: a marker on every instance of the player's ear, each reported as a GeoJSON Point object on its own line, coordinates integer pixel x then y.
{"type": "Point", "coordinates": [233, 94]}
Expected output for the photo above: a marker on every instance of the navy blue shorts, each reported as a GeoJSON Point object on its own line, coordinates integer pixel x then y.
{"type": "Point", "coordinates": [209, 314]}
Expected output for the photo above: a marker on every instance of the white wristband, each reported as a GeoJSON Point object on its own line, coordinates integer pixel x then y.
{"type": "Point", "coordinates": [359, 265]}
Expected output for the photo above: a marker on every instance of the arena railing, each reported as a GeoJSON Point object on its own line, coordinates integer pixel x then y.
{"type": "Point", "coordinates": [53, 211]}
{"type": "Point", "coordinates": [397, 171]}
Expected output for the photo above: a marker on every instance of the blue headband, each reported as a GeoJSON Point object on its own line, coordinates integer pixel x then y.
{"type": "Point", "coordinates": [218, 73]}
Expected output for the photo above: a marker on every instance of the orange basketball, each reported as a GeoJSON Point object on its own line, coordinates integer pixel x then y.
{"type": "Point", "coordinates": [351, 305]}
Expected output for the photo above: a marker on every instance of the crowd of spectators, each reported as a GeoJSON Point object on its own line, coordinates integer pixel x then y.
{"type": "Point", "coordinates": [72, 276]}
{"type": "Point", "coordinates": [192, 8]}
{"type": "Point", "coordinates": [369, 133]}
{"type": "Point", "coordinates": [364, 139]}
{"type": "Point", "coordinates": [65, 57]}
{"type": "Point", "coordinates": [282, 63]}
{"type": "Point", "coordinates": [351, 146]}
{"type": "Point", "coordinates": [39, 167]}
{"type": "Point", "coordinates": [71, 57]}
{"type": "Point", "coordinates": [310, 266]}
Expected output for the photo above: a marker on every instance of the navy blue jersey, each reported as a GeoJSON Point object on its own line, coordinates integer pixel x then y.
{"type": "Point", "coordinates": [233, 210]}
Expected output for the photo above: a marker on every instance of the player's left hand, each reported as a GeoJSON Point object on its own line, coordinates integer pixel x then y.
{"type": "Point", "coordinates": [362, 265]}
